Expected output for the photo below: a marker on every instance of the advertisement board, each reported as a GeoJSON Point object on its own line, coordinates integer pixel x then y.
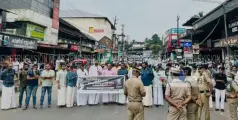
{"type": "Point", "coordinates": [35, 31]}
{"type": "Point", "coordinates": [94, 30]}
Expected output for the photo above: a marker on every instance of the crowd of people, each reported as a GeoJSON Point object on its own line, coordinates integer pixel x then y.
{"type": "Point", "coordinates": [187, 89]}
{"type": "Point", "coordinates": [67, 80]}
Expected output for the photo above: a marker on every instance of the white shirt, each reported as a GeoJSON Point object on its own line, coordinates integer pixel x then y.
{"type": "Point", "coordinates": [15, 66]}
{"type": "Point", "coordinates": [81, 73]}
{"type": "Point", "coordinates": [157, 75]}
{"type": "Point", "coordinates": [47, 73]}
{"type": "Point", "coordinates": [57, 64]}
{"type": "Point", "coordinates": [95, 70]}
{"type": "Point", "coordinates": [61, 77]}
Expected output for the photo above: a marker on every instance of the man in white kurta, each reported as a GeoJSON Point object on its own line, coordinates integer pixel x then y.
{"type": "Point", "coordinates": [61, 82]}
{"type": "Point", "coordinates": [82, 98]}
{"type": "Point", "coordinates": [94, 70]}
{"type": "Point", "coordinates": [157, 87]}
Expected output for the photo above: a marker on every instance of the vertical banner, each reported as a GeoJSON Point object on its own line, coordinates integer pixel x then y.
{"type": "Point", "coordinates": [55, 19]}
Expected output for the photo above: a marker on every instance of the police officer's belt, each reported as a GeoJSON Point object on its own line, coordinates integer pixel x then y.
{"type": "Point", "coordinates": [135, 101]}
{"type": "Point", "coordinates": [204, 91]}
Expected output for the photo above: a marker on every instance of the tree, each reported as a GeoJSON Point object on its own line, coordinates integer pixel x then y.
{"type": "Point", "coordinates": [200, 14]}
{"type": "Point", "coordinates": [154, 44]}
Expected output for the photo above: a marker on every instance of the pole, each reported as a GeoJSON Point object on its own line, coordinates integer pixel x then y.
{"type": "Point", "coordinates": [177, 32]}
{"type": "Point", "coordinates": [226, 35]}
{"type": "Point", "coordinates": [123, 41]}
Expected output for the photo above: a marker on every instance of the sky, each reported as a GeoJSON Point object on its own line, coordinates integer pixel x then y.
{"type": "Point", "coordinates": [143, 18]}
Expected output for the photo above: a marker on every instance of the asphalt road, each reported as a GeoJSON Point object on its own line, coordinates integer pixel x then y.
{"type": "Point", "coordinates": [100, 112]}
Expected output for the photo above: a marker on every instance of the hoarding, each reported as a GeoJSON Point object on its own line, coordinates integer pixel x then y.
{"type": "Point", "coordinates": [35, 31]}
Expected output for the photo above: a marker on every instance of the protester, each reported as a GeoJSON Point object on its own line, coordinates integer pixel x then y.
{"type": "Point", "coordinates": [147, 76]}
{"type": "Point", "coordinates": [61, 82]}
{"type": "Point", "coordinates": [23, 83]}
{"type": "Point", "coordinates": [71, 81]}
{"type": "Point", "coordinates": [82, 98]}
{"type": "Point", "coordinates": [157, 87]}
{"type": "Point", "coordinates": [47, 77]}
{"type": "Point", "coordinates": [94, 70]}
{"type": "Point", "coordinates": [135, 91]}
{"type": "Point", "coordinates": [8, 88]}
{"type": "Point", "coordinates": [32, 85]}
{"type": "Point", "coordinates": [177, 97]}
{"type": "Point", "coordinates": [108, 97]}
{"type": "Point", "coordinates": [120, 98]}
{"type": "Point", "coordinates": [116, 68]}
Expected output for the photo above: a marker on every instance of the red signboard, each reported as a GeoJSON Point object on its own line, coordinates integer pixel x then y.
{"type": "Point", "coordinates": [74, 48]}
{"type": "Point", "coordinates": [55, 19]}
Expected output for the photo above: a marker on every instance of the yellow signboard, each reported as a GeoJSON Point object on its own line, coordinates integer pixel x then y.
{"type": "Point", "coordinates": [91, 30]}
{"type": "Point", "coordinates": [35, 31]}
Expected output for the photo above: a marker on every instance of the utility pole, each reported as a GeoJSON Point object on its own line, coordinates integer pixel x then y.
{"type": "Point", "coordinates": [123, 41]}
{"type": "Point", "coordinates": [113, 32]}
{"type": "Point", "coordinates": [178, 17]}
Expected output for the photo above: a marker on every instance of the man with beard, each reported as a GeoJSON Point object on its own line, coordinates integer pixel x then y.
{"type": "Point", "coordinates": [8, 88]}
{"type": "Point", "coordinates": [178, 95]}
{"type": "Point", "coordinates": [61, 82]}
{"type": "Point", "coordinates": [23, 83]}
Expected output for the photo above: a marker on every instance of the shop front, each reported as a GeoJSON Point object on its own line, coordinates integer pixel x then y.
{"type": "Point", "coordinates": [231, 44]}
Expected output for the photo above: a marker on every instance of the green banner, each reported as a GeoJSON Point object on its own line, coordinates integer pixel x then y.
{"type": "Point", "coordinates": [35, 31]}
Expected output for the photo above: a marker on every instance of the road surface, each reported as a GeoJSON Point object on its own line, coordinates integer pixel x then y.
{"type": "Point", "coordinates": [100, 112]}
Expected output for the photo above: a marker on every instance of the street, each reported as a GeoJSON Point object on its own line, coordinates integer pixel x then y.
{"type": "Point", "coordinates": [99, 112]}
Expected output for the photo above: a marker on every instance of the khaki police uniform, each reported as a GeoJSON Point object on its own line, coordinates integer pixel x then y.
{"type": "Point", "coordinates": [135, 91]}
{"type": "Point", "coordinates": [204, 82]}
{"type": "Point", "coordinates": [178, 91]}
{"type": "Point", "coordinates": [192, 107]}
{"type": "Point", "coordinates": [232, 102]}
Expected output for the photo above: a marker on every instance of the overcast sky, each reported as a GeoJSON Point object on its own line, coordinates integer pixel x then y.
{"type": "Point", "coordinates": [142, 18]}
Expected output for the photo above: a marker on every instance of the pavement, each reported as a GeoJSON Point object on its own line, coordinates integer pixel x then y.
{"type": "Point", "coordinates": [100, 112]}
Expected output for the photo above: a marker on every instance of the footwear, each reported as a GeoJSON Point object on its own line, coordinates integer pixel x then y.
{"type": "Point", "coordinates": [25, 108]}
{"type": "Point", "coordinates": [41, 107]}
{"type": "Point", "coordinates": [19, 106]}
{"type": "Point", "coordinates": [216, 109]}
{"type": "Point", "coordinates": [222, 110]}
{"type": "Point", "coordinates": [49, 106]}
{"type": "Point", "coordinates": [34, 107]}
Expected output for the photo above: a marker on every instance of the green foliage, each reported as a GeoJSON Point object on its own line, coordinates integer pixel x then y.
{"type": "Point", "coordinates": [154, 44]}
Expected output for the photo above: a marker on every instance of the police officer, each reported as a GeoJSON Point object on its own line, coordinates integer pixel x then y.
{"type": "Point", "coordinates": [205, 88]}
{"type": "Point", "coordinates": [232, 99]}
{"type": "Point", "coordinates": [195, 102]}
{"type": "Point", "coordinates": [135, 91]}
{"type": "Point", "coordinates": [178, 95]}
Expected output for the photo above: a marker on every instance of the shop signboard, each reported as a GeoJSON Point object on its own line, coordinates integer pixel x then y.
{"type": "Point", "coordinates": [35, 31]}
{"type": "Point", "coordinates": [229, 41]}
{"type": "Point", "coordinates": [18, 42]}
{"type": "Point", "coordinates": [65, 46]}
{"type": "Point", "coordinates": [232, 28]}
{"type": "Point", "coordinates": [94, 30]}
{"type": "Point", "coordinates": [74, 48]}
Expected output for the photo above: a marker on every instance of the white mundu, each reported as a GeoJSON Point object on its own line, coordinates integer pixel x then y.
{"type": "Point", "coordinates": [157, 88]}
{"type": "Point", "coordinates": [82, 98]}
{"type": "Point", "coordinates": [8, 98]}
{"type": "Point", "coordinates": [61, 77]}
{"type": "Point", "coordinates": [94, 97]}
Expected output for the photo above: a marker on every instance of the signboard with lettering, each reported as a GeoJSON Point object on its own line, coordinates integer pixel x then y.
{"type": "Point", "coordinates": [35, 31]}
{"type": "Point", "coordinates": [94, 30]}
{"type": "Point", "coordinates": [17, 42]}
{"type": "Point", "coordinates": [177, 30]}
{"type": "Point", "coordinates": [232, 27]}
{"type": "Point", "coordinates": [229, 41]}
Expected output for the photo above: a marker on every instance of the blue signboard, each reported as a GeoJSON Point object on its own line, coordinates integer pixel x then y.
{"type": "Point", "coordinates": [187, 44]}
